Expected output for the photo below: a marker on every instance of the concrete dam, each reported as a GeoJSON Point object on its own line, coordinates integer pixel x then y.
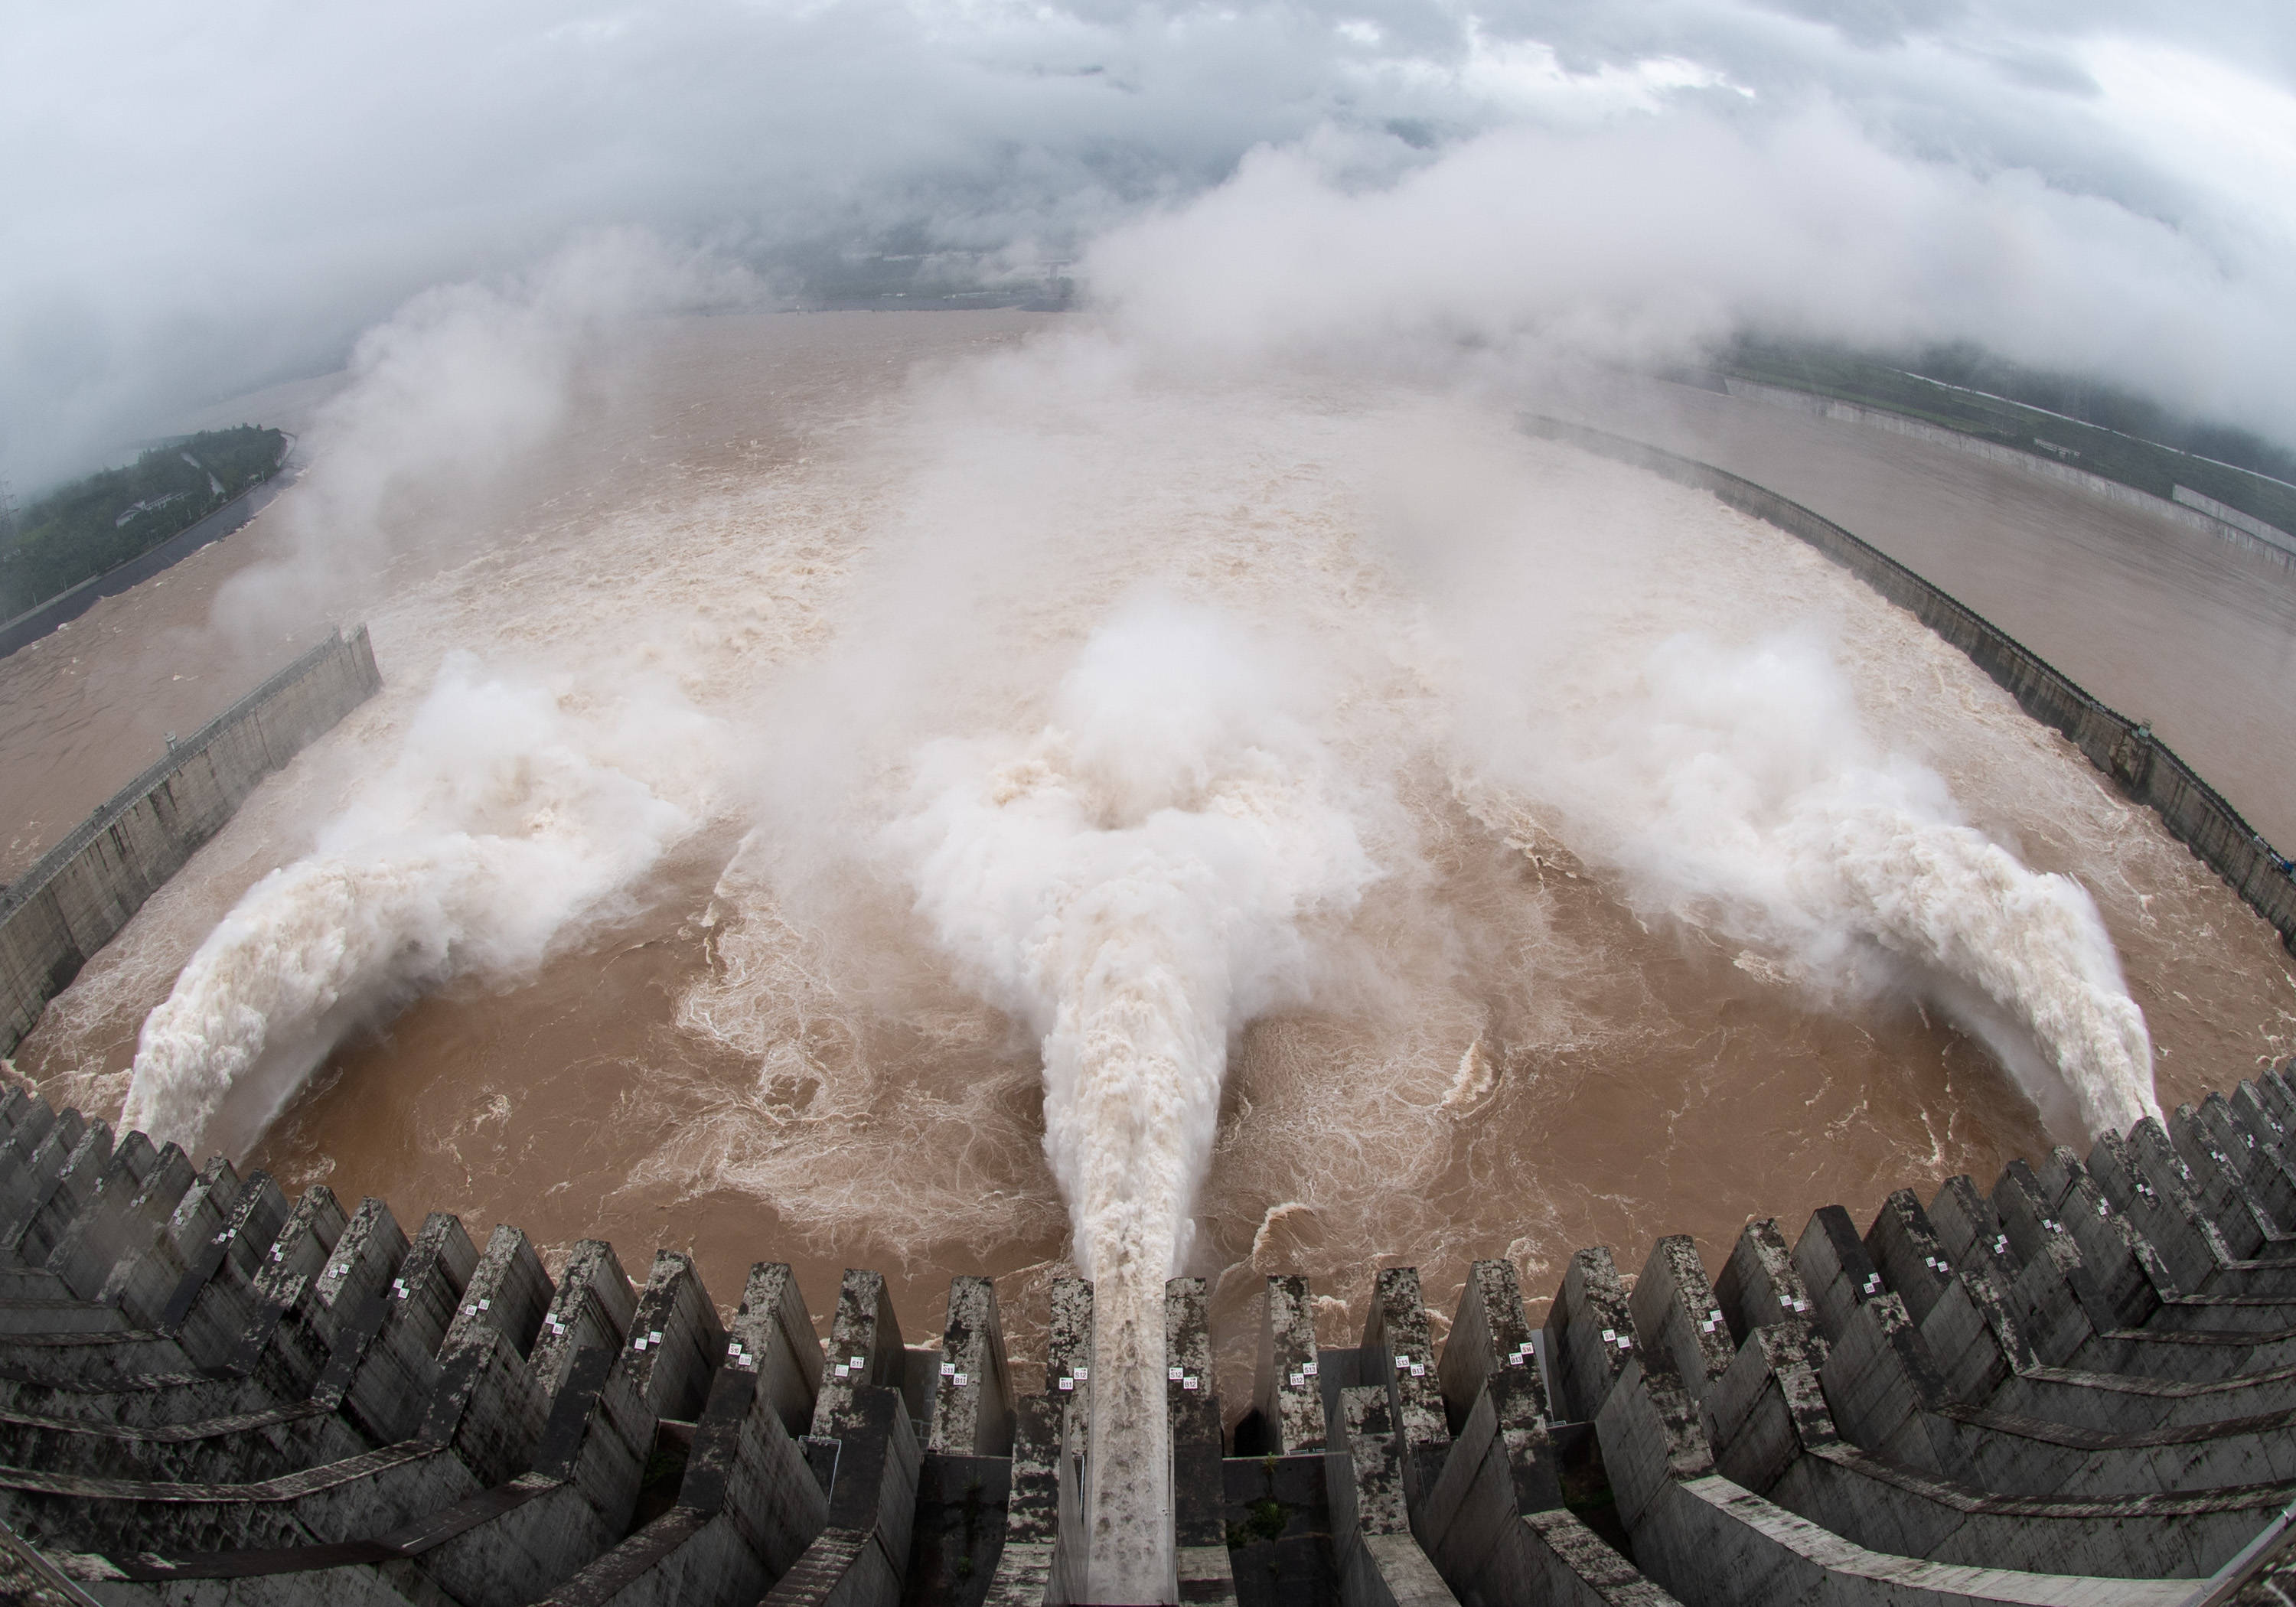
{"type": "Point", "coordinates": [79, 895]}
{"type": "Point", "coordinates": [2073, 1389]}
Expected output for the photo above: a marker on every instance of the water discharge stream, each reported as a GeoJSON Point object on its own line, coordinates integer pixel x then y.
{"type": "Point", "coordinates": [1137, 883]}
{"type": "Point", "coordinates": [502, 822]}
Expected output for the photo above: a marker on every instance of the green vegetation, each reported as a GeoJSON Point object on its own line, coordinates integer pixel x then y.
{"type": "Point", "coordinates": [98, 523]}
{"type": "Point", "coordinates": [2088, 425]}
{"type": "Point", "coordinates": [1265, 1521]}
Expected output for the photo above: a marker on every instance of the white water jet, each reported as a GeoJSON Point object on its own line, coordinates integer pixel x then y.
{"type": "Point", "coordinates": [1138, 881]}
{"type": "Point", "coordinates": [498, 831]}
{"type": "Point", "coordinates": [1737, 790]}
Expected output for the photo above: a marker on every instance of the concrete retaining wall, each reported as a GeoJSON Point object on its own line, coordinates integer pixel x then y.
{"type": "Point", "coordinates": [2195, 813]}
{"type": "Point", "coordinates": [83, 891]}
{"type": "Point", "coordinates": [35, 622]}
{"type": "Point", "coordinates": [2232, 516]}
{"type": "Point", "coordinates": [2190, 508]}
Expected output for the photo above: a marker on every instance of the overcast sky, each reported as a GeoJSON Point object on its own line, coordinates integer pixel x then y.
{"type": "Point", "coordinates": [200, 200]}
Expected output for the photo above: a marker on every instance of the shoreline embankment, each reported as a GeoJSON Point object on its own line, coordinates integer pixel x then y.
{"type": "Point", "coordinates": [83, 890]}
{"type": "Point", "coordinates": [65, 606]}
{"type": "Point", "coordinates": [2145, 768]}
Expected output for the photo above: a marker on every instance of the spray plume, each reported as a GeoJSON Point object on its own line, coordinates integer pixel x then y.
{"type": "Point", "coordinates": [1137, 882]}
{"type": "Point", "coordinates": [500, 828]}
{"type": "Point", "coordinates": [1738, 791]}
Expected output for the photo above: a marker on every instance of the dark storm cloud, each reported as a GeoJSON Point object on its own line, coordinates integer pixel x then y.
{"type": "Point", "coordinates": [201, 200]}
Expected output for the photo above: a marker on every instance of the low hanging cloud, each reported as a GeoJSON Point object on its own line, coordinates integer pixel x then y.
{"type": "Point", "coordinates": [1647, 240]}
{"type": "Point", "coordinates": [197, 207]}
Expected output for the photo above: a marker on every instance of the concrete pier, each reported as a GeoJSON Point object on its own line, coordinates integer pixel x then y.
{"type": "Point", "coordinates": [2075, 1384]}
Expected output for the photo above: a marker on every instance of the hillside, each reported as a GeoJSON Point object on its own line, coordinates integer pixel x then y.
{"type": "Point", "coordinates": [92, 525]}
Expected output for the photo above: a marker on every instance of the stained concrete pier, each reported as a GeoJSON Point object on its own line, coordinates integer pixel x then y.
{"type": "Point", "coordinates": [2073, 1385]}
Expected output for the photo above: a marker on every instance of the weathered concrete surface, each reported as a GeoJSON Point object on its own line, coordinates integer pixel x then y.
{"type": "Point", "coordinates": [1287, 1397]}
{"type": "Point", "coordinates": [83, 891]}
{"type": "Point", "coordinates": [1192, 1401]}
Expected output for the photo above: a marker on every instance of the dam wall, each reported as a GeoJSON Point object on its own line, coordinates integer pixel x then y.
{"type": "Point", "coordinates": [2073, 1389]}
{"type": "Point", "coordinates": [2189, 508]}
{"type": "Point", "coordinates": [2195, 814]}
{"type": "Point", "coordinates": [85, 888]}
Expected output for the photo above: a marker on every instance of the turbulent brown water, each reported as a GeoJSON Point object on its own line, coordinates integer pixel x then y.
{"type": "Point", "coordinates": [1520, 1038]}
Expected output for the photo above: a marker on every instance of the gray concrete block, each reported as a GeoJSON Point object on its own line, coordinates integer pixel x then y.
{"type": "Point", "coordinates": [1768, 1409]}
{"type": "Point", "coordinates": [676, 1339]}
{"type": "Point", "coordinates": [1025, 1566]}
{"type": "Point", "coordinates": [1835, 1267]}
{"type": "Point", "coordinates": [749, 1471]}
{"type": "Point", "coordinates": [861, 1554]}
{"type": "Point", "coordinates": [357, 1272]}
{"type": "Point", "coordinates": [1398, 1346]}
{"type": "Point", "coordinates": [1651, 1439]}
{"type": "Point", "coordinates": [1205, 1573]}
{"type": "Point", "coordinates": [134, 1157]}
{"type": "Point", "coordinates": [34, 1155]}
{"type": "Point", "coordinates": [1759, 1286]}
{"type": "Point", "coordinates": [1772, 1434]}
{"type": "Point", "coordinates": [1287, 1393]}
{"type": "Point", "coordinates": [1490, 1332]}
{"type": "Point", "coordinates": [2221, 1184]}
{"type": "Point", "coordinates": [60, 1181]}
{"type": "Point", "coordinates": [508, 1292]}
{"type": "Point", "coordinates": [1675, 1313]}
{"type": "Point", "coordinates": [2186, 1242]}
{"type": "Point", "coordinates": [972, 1402]}
{"type": "Point", "coordinates": [384, 1377]}
{"type": "Point", "coordinates": [1711, 1542]}
{"type": "Point", "coordinates": [1487, 1541]}
{"type": "Point", "coordinates": [748, 1505]}
{"type": "Point", "coordinates": [681, 1557]}
{"type": "Point", "coordinates": [865, 1350]}
{"type": "Point", "coordinates": [591, 1308]}
{"type": "Point", "coordinates": [1590, 1336]}
{"type": "Point", "coordinates": [2133, 1279]}
{"type": "Point", "coordinates": [1966, 1236]}
{"type": "Point", "coordinates": [130, 1206]}
{"type": "Point", "coordinates": [1975, 1338]}
{"type": "Point", "coordinates": [776, 1340]}
{"type": "Point", "coordinates": [1193, 1412]}
{"type": "Point", "coordinates": [2217, 1194]}
{"type": "Point", "coordinates": [1885, 1391]}
{"type": "Point", "coordinates": [2270, 1179]}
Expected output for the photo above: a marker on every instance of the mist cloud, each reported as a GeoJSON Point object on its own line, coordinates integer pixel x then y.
{"type": "Point", "coordinates": [1651, 239]}
{"type": "Point", "coordinates": [202, 204]}
{"type": "Point", "coordinates": [448, 394]}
